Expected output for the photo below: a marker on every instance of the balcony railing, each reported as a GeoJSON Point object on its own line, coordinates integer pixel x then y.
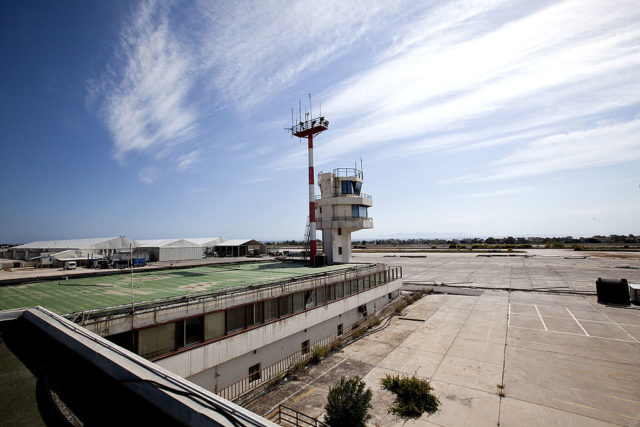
{"type": "Point", "coordinates": [366, 196]}
{"type": "Point", "coordinates": [346, 172]}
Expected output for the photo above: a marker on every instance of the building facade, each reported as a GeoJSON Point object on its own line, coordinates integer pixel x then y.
{"type": "Point", "coordinates": [341, 209]}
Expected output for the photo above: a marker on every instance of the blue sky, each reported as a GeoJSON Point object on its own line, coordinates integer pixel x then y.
{"type": "Point", "coordinates": [166, 119]}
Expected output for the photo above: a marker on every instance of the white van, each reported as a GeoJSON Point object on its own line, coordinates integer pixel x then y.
{"type": "Point", "coordinates": [70, 265]}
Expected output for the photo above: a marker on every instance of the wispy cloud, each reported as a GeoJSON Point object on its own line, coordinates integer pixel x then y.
{"type": "Point", "coordinates": [505, 74]}
{"type": "Point", "coordinates": [145, 105]}
{"type": "Point", "coordinates": [185, 161]}
{"type": "Point", "coordinates": [496, 193]}
{"type": "Point", "coordinates": [148, 175]}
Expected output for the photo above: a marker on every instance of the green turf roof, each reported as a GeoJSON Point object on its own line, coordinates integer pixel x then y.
{"type": "Point", "coordinates": [67, 296]}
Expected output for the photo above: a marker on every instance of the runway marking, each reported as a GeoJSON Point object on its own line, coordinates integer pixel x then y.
{"type": "Point", "coordinates": [626, 400]}
{"type": "Point", "coordinates": [571, 333]}
{"type": "Point", "coordinates": [574, 318]}
{"type": "Point", "coordinates": [618, 325]}
{"type": "Point", "coordinates": [577, 404]}
{"type": "Point", "coordinates": [303, 395]}
{"type": "Point", "coordinates": [542, 320]}
{"type": "Point", "coordinates": [626, 416]}
{"type": "Point", "coordinates": [584, 320]}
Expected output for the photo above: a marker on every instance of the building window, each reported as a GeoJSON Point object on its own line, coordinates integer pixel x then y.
{"type": "Point", "coordinates": [340, 331]}
{"type": "Point", "coordinates": [347, 187]}
{"type": "Point", "coordinates": [390, 295]}
{"type": "Point", "coordinates": [339, 231]}
{"type": "Point", "coordinates": [235, 319]}
{"type": "Point", "coordinates": [305, 347]}
{"type": "Point", "coordinates": [339, 250]}
{"type": "Point", "coordinates": [193, 330]}
{"type": "Point", "coordinates": [254, 373]}
{"type": "Point", "coordinates": [363, 309]}
{"type": "Point", "coordinates": [358, 211]}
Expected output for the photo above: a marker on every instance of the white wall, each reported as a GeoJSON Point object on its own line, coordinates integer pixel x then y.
{"type": "Point", "coordinates": [272, 341]}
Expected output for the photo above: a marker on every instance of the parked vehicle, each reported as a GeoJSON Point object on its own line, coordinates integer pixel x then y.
{"type": "Point", "coordinates": [70, 265]}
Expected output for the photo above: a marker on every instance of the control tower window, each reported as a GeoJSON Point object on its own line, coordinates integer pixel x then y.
{"type": "Point", "coordinates": [351, 187]}
{"type": "Point", "coordinates": [358, 211]}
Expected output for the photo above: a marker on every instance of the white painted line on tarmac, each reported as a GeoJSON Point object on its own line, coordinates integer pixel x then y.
{"type": "Point", "coordinates": [571, 333]}
{"type": "Point", "coordinates": [620, 398]}
{"type": "Point", "coordinates": [618, 325]}
{"type": "Point", "coordinates": [543, 324]}
{"type": "Point", "coordinates": [574, 318]}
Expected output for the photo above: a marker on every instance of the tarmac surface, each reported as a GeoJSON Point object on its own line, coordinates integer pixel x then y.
{"type": "Point", "coordinates": [499, 357]}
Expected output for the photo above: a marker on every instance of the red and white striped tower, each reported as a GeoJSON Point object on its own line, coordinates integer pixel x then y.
{"type": "Point", "coordinates": [308, 129]}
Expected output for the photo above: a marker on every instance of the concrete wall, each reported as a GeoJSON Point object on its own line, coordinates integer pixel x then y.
{"type": "Point", "coordinates": [272, 341]}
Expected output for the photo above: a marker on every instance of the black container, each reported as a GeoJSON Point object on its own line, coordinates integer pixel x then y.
{"type": "Point", "coordinates": [320, 261]}
{"type": "Point", "coordinates": [613, 291]}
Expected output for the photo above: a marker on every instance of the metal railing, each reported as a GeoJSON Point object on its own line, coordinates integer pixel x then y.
{"type": "Point", "coordinates": [309, 124]}
{"type": "Point", "coordinates": [348, 218]}
{"type": "Point", "coordinates": [250, 382]}
{"type": "Point", "coordinates": [267, 374]}
{"type": "Point", "coordinates": [346, 172]}
{"type": "Point", "coordinates": [286, 416]}
{"type": "Point", "coordinates": [366, 196]}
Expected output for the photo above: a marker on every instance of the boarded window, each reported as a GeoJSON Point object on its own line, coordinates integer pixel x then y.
{"type": "Point", "coordinates": [340, 329]}
{"type": "Point", "coordinates": [157, 340]}
{"type": "Point", "coordinates": [214, 325]}
{"type": "Point", "coordinates": [235, 320]}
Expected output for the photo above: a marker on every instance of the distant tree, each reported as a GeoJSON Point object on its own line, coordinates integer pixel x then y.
{"type": "Point", "coordinates": [490, 241]}
{"type": "Point", "coordinates": [348, 403]}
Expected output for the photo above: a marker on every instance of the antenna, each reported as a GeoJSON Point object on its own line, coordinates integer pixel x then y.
{"type": "Point", "coordinates": [310, 110]}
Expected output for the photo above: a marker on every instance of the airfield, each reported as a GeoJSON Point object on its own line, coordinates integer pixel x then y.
{"type": "Point", "coordinates": [515, 340]}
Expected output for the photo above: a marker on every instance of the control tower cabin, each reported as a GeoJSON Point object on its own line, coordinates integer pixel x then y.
{"type": "Point", "coordinates": [341, 209]}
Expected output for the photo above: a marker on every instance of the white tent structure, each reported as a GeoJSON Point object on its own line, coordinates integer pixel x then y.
{"type": "Point", "coordinates": [171, 249]}
{"type": "Point", "coordinates": [102, 245]}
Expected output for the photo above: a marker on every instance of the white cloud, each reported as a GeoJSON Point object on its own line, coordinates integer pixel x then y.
{"type": "Point", "coordinates": [148, 175]}
{"type": "Point", "coordinates": [145, 106]}
{"type": "Point", "coordinates": [481, 83]}
{"type": "Point", "coordinates": [185, 161]}
{"type": "Point", "coordinates": [496, 193]}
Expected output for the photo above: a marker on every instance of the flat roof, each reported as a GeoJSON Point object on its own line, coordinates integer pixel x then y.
{"type": "Point", "coordinates": [77, 294]}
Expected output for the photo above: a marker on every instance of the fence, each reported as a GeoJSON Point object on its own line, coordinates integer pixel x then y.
{"type": "Point", "coordinates": [254, 380]}
{"type": "Point", "coordinates": [286, 416]}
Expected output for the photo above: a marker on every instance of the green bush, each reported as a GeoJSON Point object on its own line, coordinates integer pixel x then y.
{"type": "Point", "coordinates": [413, 396]}
{"type": "Point", "coordinates": [348, 403]}
{"type": "Point", "coordinates": [318, 353]}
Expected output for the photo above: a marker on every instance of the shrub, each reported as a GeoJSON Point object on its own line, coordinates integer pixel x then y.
{"type": "Point", "coordinates": [578, 248]}
{"type": "Point", "coordinates": [336, 344]}
{"type": "Point", "coordinates": [413, 396]}
{"type": "Point", "coordinates": [375, 321]}
{"type": "Point", "coordinates": [401, 305]}
{"type": "Point", "coordinates": [318, 353]}
{"type": "Point", "coordinates": [348, 403]}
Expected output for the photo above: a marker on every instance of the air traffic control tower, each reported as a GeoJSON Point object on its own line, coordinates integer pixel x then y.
{"type": "Point", "coordinates": [341, 209]}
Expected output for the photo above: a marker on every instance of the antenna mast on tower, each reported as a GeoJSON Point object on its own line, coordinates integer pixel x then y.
{"type": "Point", "coordinates": [309, 128]}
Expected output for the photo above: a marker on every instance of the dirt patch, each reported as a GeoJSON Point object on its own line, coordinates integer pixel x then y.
{"type": "Point", "coordinates": [203, 286]}
{"type": "Point", "coordinates": [112, 292]}
{"type": "Point", "coordinates": [615, 255]}
{"type": "Point", "coordinates": [150, 278]}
